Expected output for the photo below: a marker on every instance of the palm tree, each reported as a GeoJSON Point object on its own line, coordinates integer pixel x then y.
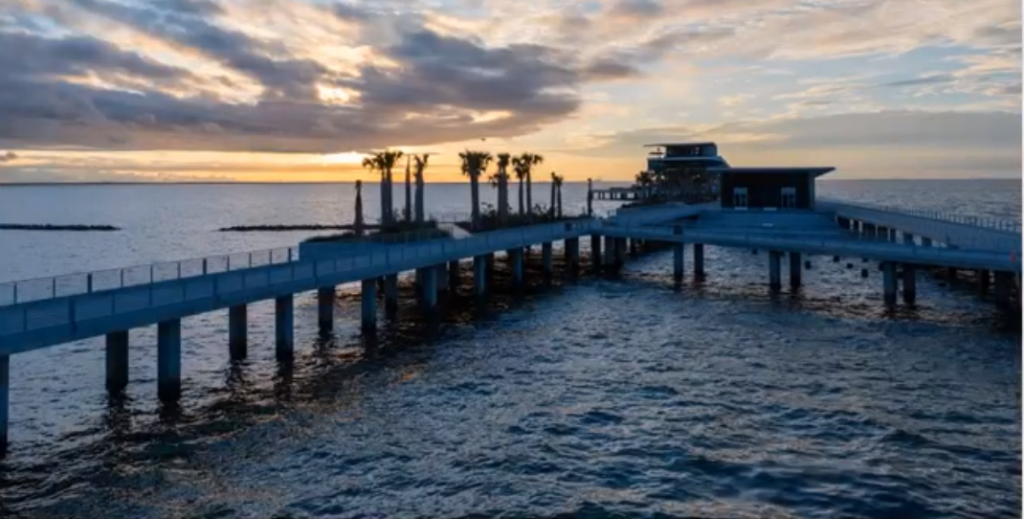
{"type": "Point", "coordinates": [421, 164]}
{"type": "Point", "coordinates": [502, 180]}
{"type": "Point", "coordinates": [520, 169]}
{"type": "Point", "coordinates": [528, 161]}
{"type": "Point", "coordinates": [383, 162]}
{"type": "Point", "coordinates": [590, 197]}
{"type": "Point", "coordinates": [645, 179]}
{"type": "Point", "coordinates": [408, 191]}
{"type": "Point", "coordinates": [357, 226]}
{"type": "Point", "coordinates": [475, 163]}
{"type": "Point", "coordinates": [556, 182]}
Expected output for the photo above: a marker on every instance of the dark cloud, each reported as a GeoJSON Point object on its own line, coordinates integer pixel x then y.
{"type": "Point", "coordinates": [609, 69]}
{"type": "Point", "coordinates": [637, 9]}
{"type": "Point", "coordinates": [28, 55]}
{"type": "Point", "coordinates": [927, 80]}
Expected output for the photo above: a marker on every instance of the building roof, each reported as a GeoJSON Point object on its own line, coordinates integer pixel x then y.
{"type": "Point", "coordinates": [691, 158]}
{"type": "Point", "coordinates": [659, 144]}
{"type": "Point", "coordinates": [816, 171]}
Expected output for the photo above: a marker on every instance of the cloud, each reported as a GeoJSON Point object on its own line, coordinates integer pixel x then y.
{"type": "Point", "coordinates": [8, 156]}
{"type": "Point", "coordinates": [636, 9]}
{"type": "Point", "coordinates": [923, 80]}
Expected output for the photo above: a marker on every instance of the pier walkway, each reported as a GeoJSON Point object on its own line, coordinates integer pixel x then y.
{"type": "Point", "coordinates": [47, 312]}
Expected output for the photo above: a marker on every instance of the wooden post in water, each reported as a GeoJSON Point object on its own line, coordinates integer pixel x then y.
{"type": "Point", "coordinates": [168, 362]}
{"type": "Point", "coordinates": [774, 270]}
{"type": "Point", "coordinates": [238, 333]}
{"type": "Point", "coordinates": [284, 326]}
{"type": "Point", "coordinates": [117, 361]}
{"type": "Point", "coordinates": [325, 309]}
{"type": "Point", "coordinates": [368, 299]}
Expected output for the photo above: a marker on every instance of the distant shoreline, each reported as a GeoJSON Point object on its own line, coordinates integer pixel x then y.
{"type": "Point", "coordinates": [352, 182]}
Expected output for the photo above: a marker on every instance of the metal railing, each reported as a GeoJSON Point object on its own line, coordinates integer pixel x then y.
{"type": "Point", "coordinates": [978, 221]}
{"type": "Point", "coordinates": [36, 289]}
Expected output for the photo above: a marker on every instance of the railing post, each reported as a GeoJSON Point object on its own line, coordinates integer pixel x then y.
{"type": "Point", "coordinates": [151, 273]}
{"type": "Point", "coordinates": [88, 283]}
{"type": "Point", "coordinates": [53, 287]}
{"type": "Point", "coordinates": [179, 270]}
{"type": "Point", "coordinates": [204, 266]}
{"type": "Point", "coordinates": [122, 278]}
{"type": "Point", "coordinates": [249, 265]}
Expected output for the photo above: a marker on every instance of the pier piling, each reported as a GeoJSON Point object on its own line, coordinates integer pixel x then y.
{"type": "Point", "coordinates": [794, 270]}
{"type": "Point", "coordinates": [453, 275]}
{"type": "Point", "coordinates": [698, 260]}
{"type": "Point", "coordinates": [889, 283]}
{"type": "Point", "coordinates": [595, 251]}
{"type": "Point", "coordinates": [369, 305]}
{"type": "Point", "coordinates": [479, 275]}
{"type": "Point", "coordinates": [168, 360]}
{"type": "Point", "coordinates": [429, 298]}
{"type": "Point", "coordinates": [547, 260]}
{"type": "Point", "coordinates": [774, 270]}
{"type": "Point", "coordinates": [284, 329]}
{"type": "Point", "coordinates": [117, 361]}
{"type": "Point", "coordinates": [909, 284]}
{"type": "Point", "coordinates": [516, 259]}
{"type": "Point", "coordinates": [5, 400]}
{"type": "Point", "coordinates": [325, 309]}
{"type": "Point", "coordinates": [238, 331]}
{"type": "Point", "coordinates": [391, 294]}
{"type": "Point", "coordinates": [572, 253]}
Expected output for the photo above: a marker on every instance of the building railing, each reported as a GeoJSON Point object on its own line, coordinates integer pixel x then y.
{"type": "Point", "coordinates": [36, 289]}
{"type": "Point", "coordinates": [978, 221]}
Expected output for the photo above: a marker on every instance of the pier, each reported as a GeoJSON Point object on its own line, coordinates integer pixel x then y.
{"type": "Point", "coordinates": [52, 311]}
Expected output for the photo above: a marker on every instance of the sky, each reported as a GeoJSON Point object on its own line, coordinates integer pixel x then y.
{"type": "Point", "coordinates": [299, 90]}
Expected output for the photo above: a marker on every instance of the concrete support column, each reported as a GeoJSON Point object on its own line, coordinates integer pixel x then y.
{"type": "Point", "coordinates": [926, 242]}
{"type": "Point", "coordinates": [489, 261]}
{"type": "Point", "coordinates": [442, 276]}
{"type": "Point", "coordinates": [983, 280]}
{"type": "Point", "coordinates": [238, 331]}
{"type": "Point", "coordinates": [117, 361]}
{"type": "Point", "coordinates": [429, 298]}
{"type": "Point", "coordinates": [774, 270]}
{"type": "Point", "coordinates": [168, 360]}
{"type": "Point", "coordinates": [909, 284]}
{"type": "Point", "coordinates": [1002, 285]}
{"type": "Point", "coordinates": [547, 259]}
{"type": "Point", "coordinates": [891, 235]}
{"type": "Point", "coordinates": [572, 252]}
{"type": "Point", "coordinates": [369, 305]}
{"type": "Point", "coordinates": [698, 260]}
{"type": "Point", "coordinates": [453, 275]}
{"type": "Point", "coordinates": [609, 251]}
{"type": "Point", "coordinates": [391, 294]}
{"type": "Point", "coordinates": [5, 400]}
{"type": "Point", "coordinates": [678, 255]}
{"type": "Point", "coordinates": [479, 275]}
{"type": "Point", "coordinates": [795, 272]}
{"type": "Point", "coordinates": [889, 283]}
{"type": "Point", "coordinates": [595, 251]}
{"type": "Point", "coordinates": [284, 326]}
{"type": "Point", "coordinates": [908, 238]}
{"type": "Point", "coordinates": [951, 272]}
{"type": "Point", "coordinates": [516, 260]}
{"type": "Point", "coordinates": [620, 252]}
{"type": "Point", "coordinates": [325, 308]}
{"type": "Point", "coordinates": [633, 249]}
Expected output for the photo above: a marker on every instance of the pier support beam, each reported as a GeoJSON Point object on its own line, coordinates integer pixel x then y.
{"type": "Point", "coordinates": [795, 272]}
{"type": "Point", "coordinates": [429, 297]}
{"type": "Point", "coordinates": [572, 253]}
{"type": "Point", "coordinates": [926, 242]}
{"type": "Point", "coordinates": [284, 326]}
{"type": "Point", "coordinates": [983, 280]}
{"type": "Point", "coordinates": [678, 256]}
{"type": "Point", "coordinates": [620, 252]}
{"type": "Point", "coordinates": [442, 276]}
{"type": "Point", "coordinates": [369, 305]}
{"type": "Point", "coordinates": [698, 260]}
{"type": "Point", "coordinates": [909, 284]}
{"type": "Point", "coordinates": [479, 275]}
{"type": "Point", "coordinates": [168, 360]}
{"type": "Point", "coordinates": [391, 294]}
{"type": "Point", "coordinates": [117, 361]}
{"type": "Point", "coordinates": [1002, 284]}
{"type": "Point", "coordinates": [908, 238]}
{"type": "Point", "coordinates": [609, 252]}
{"type": "Point", "coordinates": [238, 331]}
{"type": "Point", "coordinates": [595, 251]}
{"type": "Point", "coordinates": [774, 270]}
{"type": "Point", "coordinates": [889, 283]}
{"type": "Point", "coordinates": [5, 400]}
{"type": "Point", "coordinates": [489, 261]}
{"type": "Point", "coordinates": [453, 275]}
{"type": "Point", "coordinates": [516, 259]}
{"type": "Point", "coordinates": [547, 260]}
{"type": "Point", "coordinates": [951, 273]}
{"type": "Point", "coordinates": [325, 309]}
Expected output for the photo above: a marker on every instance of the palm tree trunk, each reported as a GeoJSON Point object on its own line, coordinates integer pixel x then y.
{"type": "Point", "coordinates": [529, 196]}
{"type": "Point", "coordinates": [358, 224]}
{"type": "Point", "coordinates": [420, 217]}
{"type": "Point", "coordinates": [408, 194]}
{"type": "Point", "coordinates": [474, 186]}
{"type": "Point", "coordinates": [502, 197]}
{"type": "Point", "coordinates": [383, 197]}
{"type": "Point", "coordinates": [391, 197]}
{"type": "Point", "coordinates": [551, 210]}
{"type": "Point", "coordinates": [559, 200]}
{"type": "Point", "coordinates": [521, 212]}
